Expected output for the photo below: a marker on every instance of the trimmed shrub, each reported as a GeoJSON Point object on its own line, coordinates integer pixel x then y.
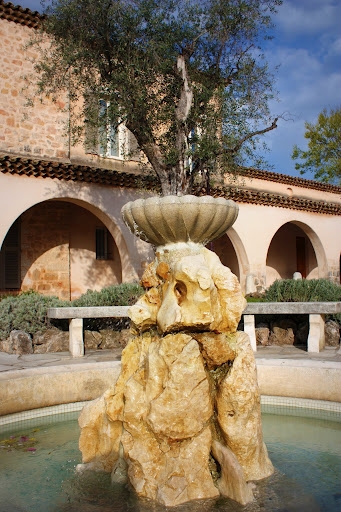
{"type": "Point", "coordinates": [125, 294]}
{"type": "Point", "coordinates": [27, 311]}
{"type": "Point", "coordinates": [303, 290]}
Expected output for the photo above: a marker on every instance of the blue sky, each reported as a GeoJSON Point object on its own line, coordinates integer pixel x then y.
{"type": "Point", "coordinates": [307, 47]}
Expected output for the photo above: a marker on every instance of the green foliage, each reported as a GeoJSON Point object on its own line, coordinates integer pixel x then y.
{"type": "Point", "coordinates": [125, 294]}
{"type": "Point", "coordinates": [305, 290]}
{"type": "Point", "coordinates": [27, 311]}
{"type": "Point", "coordinates": [323, 156]}
{"type": "Point", "coordinates": [176, 73]}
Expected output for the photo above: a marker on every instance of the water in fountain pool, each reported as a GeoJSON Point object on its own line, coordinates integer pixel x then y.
{"type": "Point", "coordinates": [37, 471]}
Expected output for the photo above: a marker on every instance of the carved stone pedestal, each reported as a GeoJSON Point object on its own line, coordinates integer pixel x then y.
{"type": "Point", "coordinates": [183, 420]}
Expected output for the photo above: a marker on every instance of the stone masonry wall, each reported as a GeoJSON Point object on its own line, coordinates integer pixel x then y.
{"type": "Point", "coordinates": [45, 256]}
{"type": "Point", "coordinates": [58, 251]}
{"type": "Point", "coordinates": [36, 131]}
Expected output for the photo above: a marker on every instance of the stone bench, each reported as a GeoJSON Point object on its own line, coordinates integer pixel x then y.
{"type": "Point", "coordinates": [76, 316]}
{"type": "Point", "coordinates": [316, 311]}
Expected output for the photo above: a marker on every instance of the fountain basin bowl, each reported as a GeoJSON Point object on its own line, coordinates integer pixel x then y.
{"type": "Point", "coordinates": [172, 219]}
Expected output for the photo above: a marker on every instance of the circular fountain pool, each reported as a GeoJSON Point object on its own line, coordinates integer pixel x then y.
{"type": "Point", "coordinates": [38, 460]}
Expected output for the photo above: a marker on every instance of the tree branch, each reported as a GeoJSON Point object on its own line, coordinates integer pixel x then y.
{"type": "Point", "coordinates": [249, 136]}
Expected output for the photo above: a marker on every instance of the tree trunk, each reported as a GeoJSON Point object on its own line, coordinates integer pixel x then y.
{"type": "Point", "coordinates": [182, 112]}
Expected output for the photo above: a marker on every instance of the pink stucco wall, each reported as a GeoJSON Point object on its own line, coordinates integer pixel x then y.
{"type": "Point", "coordinates": [257, 245]}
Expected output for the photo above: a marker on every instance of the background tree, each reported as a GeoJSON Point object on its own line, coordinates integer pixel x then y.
{"type": "Point", "coordinates": [323, 156]}
{"type": "Point", "coordinates": [186, 77]}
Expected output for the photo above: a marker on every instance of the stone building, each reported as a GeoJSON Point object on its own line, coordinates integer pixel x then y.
{"type": "Point", "coordinates": [61, 231]}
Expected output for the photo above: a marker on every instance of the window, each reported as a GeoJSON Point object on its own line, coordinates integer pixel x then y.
{"type": "Point", "coordinates": [193, 146]}
{"type": "Point", "coordinates": [102, 244]}
{"type": "Point", "coordinates": [113, 139]}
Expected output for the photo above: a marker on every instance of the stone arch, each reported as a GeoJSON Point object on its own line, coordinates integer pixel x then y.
{"type": "Point", "coordinates": [295, 247]}
{"type": "Point", "coordinates": [54, 252]}
{"type": "Point", "coordinates": [112, 227]}
{"type": "Point", "coordinates": [232, 254]}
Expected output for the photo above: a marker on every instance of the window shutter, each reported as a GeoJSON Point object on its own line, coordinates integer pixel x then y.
{"type": "Point", "coordinates": [91, 111]}
{"type": "Point", "coordinates": [102, 244]}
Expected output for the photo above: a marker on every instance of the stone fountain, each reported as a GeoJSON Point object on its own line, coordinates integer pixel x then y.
{"type": "Point", "coordinates": [183, 420]}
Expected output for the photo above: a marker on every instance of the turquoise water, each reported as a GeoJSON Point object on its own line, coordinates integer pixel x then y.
{"type": "Point", "coordinates": [37, 471]}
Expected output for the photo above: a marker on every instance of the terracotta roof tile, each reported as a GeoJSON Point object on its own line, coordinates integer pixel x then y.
{"type": "Point", "coordinates": [63, 171]}
{"type": "Point", "coordinates": [291, 180]}
{"type": "Point", "coordinates": [283, 201]}
{"type": "Point", "coordinates": [18, 14]}
{"type": "Point", "coordinates": [69, 172]}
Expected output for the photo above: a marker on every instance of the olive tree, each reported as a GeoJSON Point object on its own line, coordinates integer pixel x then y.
{"type": "Point", "coordinates": [187, 78]}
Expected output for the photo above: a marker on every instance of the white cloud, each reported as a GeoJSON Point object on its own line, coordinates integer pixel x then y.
{"type": "Point", "coordinates": [335, 48]}
{"type": "Point", "coordinates": [308, 17]}
{"type": "Point", "coordinates": [307, 46]}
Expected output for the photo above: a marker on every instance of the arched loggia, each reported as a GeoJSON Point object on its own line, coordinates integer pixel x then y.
{"type": "Point", "coordinates": [295, 247]}
{"type": "Point", "coordinates": [232, 254]}
{"type": "Point", "coordinates": [62, 248]}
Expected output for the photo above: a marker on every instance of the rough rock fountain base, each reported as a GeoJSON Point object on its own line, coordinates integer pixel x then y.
{"type": "Point", "coordinates": [183, 421]}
